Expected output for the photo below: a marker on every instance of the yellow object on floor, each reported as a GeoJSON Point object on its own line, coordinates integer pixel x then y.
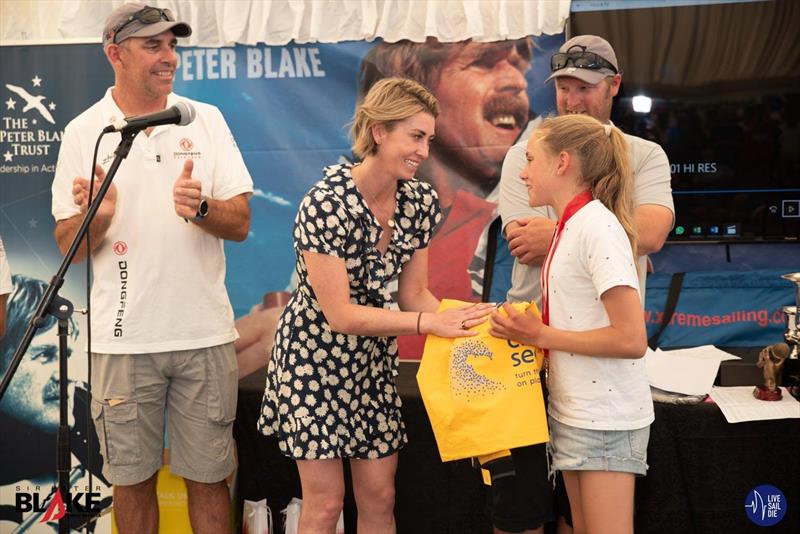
{"type": "Point", "coordinates": [173, 505]}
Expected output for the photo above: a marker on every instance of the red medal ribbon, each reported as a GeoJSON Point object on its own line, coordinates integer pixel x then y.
{"type": "Point", "coordinates": [574, 205]}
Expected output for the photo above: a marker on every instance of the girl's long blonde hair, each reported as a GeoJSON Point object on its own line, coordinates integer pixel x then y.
{"type": "Point", "coordinates": [602, 152]}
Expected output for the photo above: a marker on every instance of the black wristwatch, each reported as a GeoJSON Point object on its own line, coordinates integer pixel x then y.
{"type": "Point", "coordinates": [202, 210]}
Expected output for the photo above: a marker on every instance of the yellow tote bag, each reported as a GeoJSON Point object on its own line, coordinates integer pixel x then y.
{"type": "Point", "coordinates": [482, 394]}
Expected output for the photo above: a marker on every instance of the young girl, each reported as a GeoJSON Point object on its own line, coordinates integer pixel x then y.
{"type": "Point", "coordinates": [592, 323]}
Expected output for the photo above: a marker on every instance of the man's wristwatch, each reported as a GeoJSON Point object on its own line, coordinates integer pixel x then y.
{"type": "Point", "coordinates": [202, 210]}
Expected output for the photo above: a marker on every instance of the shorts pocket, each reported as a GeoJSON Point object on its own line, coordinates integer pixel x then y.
{"type": "Point", "coordinates": [639, 439]}
{"type": "Point", "coordinates": [118, 432]}
{"type": "Point", "coordinates": [223, 381]}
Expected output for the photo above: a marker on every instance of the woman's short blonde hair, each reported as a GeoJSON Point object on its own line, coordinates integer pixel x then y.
{"type": "Point", "coordinates": [388, 101]}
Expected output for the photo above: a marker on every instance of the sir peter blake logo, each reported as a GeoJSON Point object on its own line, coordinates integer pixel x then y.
{"type": "Point", "coordinates": [765, 505]}
{"type": "Point", "coordinates": [29, 135]}
{"type": "Point", "coordinates": [52, 507]}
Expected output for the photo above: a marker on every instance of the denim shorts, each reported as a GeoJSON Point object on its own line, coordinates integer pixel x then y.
{"type": "Point", "coordinates": [580, 449]}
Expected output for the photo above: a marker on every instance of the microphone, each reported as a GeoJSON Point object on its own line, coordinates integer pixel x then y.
{"type": "Point", "coordinates": [181, 114]}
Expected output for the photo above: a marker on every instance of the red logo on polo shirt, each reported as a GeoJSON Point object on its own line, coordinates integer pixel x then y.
{"type": "Point", "coordinates": [120, 248]}
{"type": "Point", "coordinates": [186, 150]}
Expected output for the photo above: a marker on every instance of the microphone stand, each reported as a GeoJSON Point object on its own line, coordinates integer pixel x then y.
{"type": "Point", "coordinates": [60, 308]}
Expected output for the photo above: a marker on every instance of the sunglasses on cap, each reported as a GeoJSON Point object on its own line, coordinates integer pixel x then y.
{"type": "Point", "coordinates": [146, 15]}
{"type": "Point", "coordinates": [580, 59]}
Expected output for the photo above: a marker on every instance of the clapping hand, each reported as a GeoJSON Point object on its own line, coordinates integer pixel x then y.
{"type": "Point", "coordinates": [80, 194]}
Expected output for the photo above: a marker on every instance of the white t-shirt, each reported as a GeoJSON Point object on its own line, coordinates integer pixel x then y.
{"type": "Point", "coordinates": [159, 282]}
{"type": "Point", "coordinates": [592, 256]}
{"type": "Point", "coordinates": [5, 271]}
{"type": "Point", "coordinates": [651, 177]}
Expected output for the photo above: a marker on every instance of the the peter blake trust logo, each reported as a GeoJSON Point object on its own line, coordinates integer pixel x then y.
{"type": "Point", "coordinates": [765, 505]}
{"type": "Point", "coordinates": [29, 133]}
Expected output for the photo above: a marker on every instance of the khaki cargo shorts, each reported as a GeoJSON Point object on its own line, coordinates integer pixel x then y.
{"type": "Point", "coordinates": [193, 391]}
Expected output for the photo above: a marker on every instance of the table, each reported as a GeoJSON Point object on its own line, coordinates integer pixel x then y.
{"type": "Point", "coordinates": [701, 469]}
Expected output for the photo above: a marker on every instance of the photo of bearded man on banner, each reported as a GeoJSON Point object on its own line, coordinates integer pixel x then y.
{"type": "Point", "coordinates": [29, 418]}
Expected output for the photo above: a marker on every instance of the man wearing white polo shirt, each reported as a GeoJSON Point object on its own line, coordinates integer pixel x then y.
{"type": "Point", "coordinates": [162, 324]}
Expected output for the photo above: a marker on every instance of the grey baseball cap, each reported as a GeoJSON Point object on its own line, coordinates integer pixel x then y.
{"type": "Point", "coordinates": [589, 74]}
{"type": "Point", "coordinates": [141, 20]}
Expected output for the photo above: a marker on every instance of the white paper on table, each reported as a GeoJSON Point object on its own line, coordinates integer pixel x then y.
{"type": "Point", "coordinates": [681, 373]}
{"type": "Point", "coordinates": [738, 405]}
{"type": "Point", "coordinates": [704, 351]}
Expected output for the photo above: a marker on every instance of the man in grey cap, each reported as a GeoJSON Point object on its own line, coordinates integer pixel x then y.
{"type": "Point", "coordinates": [162, 325]}
{"type": "Point", "coordinates": [587, 78]}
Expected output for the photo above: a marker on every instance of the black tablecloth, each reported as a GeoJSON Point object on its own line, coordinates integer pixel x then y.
{"type": "Point", "coordinates": [701, 470]}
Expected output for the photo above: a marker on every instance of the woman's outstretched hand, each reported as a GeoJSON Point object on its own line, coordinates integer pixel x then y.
{"type": "Point", "coordinates": [456, 322]}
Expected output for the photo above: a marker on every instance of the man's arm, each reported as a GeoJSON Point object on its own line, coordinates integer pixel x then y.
{"type": "Point", "coordinates": [226, 219]}
{"type": "Point", "coordinates": [67, 228]}
{"type": "Point", "coordinates": [653, 224]}
{"type": "Point", "coordinates": [528, 239]}
{"type": "Point", "coordinates": [654, 213]}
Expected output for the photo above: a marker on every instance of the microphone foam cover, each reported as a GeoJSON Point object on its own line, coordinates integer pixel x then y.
{"type": "Point", "coordinates": [188, 113]}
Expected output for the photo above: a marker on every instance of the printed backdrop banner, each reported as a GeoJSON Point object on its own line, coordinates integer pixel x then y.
{"type": "Point", "coordinates": [41, 89]}
{"type": "Point", "coordinates": [722, 308]}
{"type": "Point", "coordinates": [288, 108]}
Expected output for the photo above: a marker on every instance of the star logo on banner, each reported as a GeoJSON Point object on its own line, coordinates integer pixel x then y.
{"type": "Point", "coordinates": [10, 103]}
{"type": "Point", "coordinates": [37, 82]}
{"type": "Point", "coordinates": [8, 155]}
{"type": "Point", "coordinates": [52, 106]}
{"type": "Point", "coordinates": [33, 223]}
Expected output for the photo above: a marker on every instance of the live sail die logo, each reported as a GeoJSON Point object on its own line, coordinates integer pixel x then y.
{"type": "Point", "coordinates": [29, 131]}
{"type": "Point", "coordinates": [765, 505]}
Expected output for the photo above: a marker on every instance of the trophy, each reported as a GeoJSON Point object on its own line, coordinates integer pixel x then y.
{"type": "Point", "coordinates": [792, 335]}
{"type": "Point", "coordinates": [772, 358]}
